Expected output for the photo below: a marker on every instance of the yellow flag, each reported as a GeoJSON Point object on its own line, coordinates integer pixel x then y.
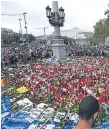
{"type": "Point", "coordinates": [22, 90]}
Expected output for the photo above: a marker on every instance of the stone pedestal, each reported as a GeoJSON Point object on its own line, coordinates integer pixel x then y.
{"type": "Point", "coordinates": [58, 48]}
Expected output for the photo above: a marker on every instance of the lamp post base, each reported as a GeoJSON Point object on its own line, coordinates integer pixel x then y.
{"type": "Point", "coordinates": [58, 48]}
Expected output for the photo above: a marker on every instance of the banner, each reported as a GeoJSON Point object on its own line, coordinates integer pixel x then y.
{"type": "Point", "coordinates": [4, 98]}
{"type": "Point", "coordinates": [4, 117]}
{"type": "Point", "coordinates": [15, 125]}
{"type": "Point", "coordinates": [34, 124]}
{"type": "Point", "coordinates": [5, 105]}
{"type": "Point", "coordinates": [20, 117]}
{"type": "Point", "coordinates": [39, 125]}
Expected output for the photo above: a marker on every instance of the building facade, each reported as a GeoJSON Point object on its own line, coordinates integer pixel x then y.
{"type": "Point", "coordinates": [81, 37]}
{"type": "Point", "coordinates": [76, 33]}
{"type": "Point", "coordinates": [83, 41]}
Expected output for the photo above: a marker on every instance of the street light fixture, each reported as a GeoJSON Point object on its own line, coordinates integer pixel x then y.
{"type": "Point", "coordinates": [61, 13]}
{"type": "Point", "coordinates": [55, 18]}
{"type": "Point", "coordinates": [24, 13]}
{"type": "Point", "coordinates": [48, 11]}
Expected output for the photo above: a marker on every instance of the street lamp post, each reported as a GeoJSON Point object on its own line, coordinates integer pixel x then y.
{"type": "Point", "coordinates": [21, 29]}
{"type": "Point", "coordinates": [25, 25]}
{"type": "Point", "coordinates": [56, 19]}
{"type": "Point", "coordinates": [20, 26]}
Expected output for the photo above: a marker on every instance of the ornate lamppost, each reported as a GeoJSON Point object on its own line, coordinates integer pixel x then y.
{"type": "Point", "coordinates": [56, 19]}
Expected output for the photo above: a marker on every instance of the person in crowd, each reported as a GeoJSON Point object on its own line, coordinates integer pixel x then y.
{"type": "Point", "coordinates": [40, 54]}
{"type": "Point", "coordinates": [33, 56]}
{"type": "Point", "coordinates": [2, 62]}
{"type": "Point", "coordinates": [25, 55]}
{"type": "Point", "coordinates": [88, 112]}
{"type": "Point", "coordinates": [12, 59]}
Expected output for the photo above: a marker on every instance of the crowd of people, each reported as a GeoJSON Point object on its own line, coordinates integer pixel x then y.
{"type": "Point", "coordinates": [88, 50]}
{"type": "Point", "coordinates": [31, 52]}
{"type": "Point", "coordinates": [22, 55]}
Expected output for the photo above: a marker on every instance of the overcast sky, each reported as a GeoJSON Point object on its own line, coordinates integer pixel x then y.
{"type": "Point", "coordinates": [78, 13]}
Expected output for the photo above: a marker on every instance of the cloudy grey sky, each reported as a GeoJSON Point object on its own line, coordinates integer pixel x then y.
{"type": "Point", "coordinates": [78, 13]}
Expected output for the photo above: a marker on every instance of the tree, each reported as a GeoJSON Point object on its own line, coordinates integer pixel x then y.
{"type": "Point", "coordinates": [107, 13]}
{"type": "Point", "coordinates": [7, 35]}
{"type": "Point", "coordinates": [68, 40]}
{"type": "Point", "coordinates": [101, 30]}
{"type": "Point", "coordinates": [16, 37]}
{"type": "Point", "coordinates": [30, 37]}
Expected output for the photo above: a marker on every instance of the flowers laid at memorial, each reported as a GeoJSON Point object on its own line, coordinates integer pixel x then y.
{"type": "Point", "coordinates": [57, 87]}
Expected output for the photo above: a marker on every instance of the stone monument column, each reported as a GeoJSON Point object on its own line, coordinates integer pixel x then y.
{"type": "Point", "coordinates": [56, 19]}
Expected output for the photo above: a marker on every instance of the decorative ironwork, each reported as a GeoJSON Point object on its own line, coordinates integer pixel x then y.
{"type": "Point", "coordinates": [56, 18]}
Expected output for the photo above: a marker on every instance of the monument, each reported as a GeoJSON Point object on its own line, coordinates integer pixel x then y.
{"type": "Point", "coordinates": [56, 19]}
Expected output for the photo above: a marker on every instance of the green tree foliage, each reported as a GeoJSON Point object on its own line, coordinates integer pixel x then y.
{"type": "Point", "coordinates": [101, 30]}
{"type": "Point", "coordinates": [8, 36]}
{"type": "Point", "coordinates": [30, 37]}
{"type": "Point", "coordinates": [68, 40]}
{"type": "Point", "coordinates": [107, 13]}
